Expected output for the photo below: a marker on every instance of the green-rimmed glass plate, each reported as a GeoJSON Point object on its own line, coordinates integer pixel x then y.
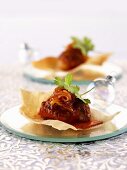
{"type": "Point", "coordinates": [17, 124]}
{"type": "Point", "coordinates": [38, 75]}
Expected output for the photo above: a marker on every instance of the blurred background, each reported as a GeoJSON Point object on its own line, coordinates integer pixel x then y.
{"type": "Point", "coordinates": [47, 25]}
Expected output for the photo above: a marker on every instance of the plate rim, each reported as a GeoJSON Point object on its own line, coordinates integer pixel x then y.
{"type": "Point", "coordinates": [59, 140]}
{"type": "Point", "coordinates": [46, 81]}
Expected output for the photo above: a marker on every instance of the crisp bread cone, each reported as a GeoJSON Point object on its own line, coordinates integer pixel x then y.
{"type": "Point", "coordinates": [31, 103]}
{"type": "Point", "coordinates": [99, 59]}
{"type": "Point", "coordinates": [46, 63]}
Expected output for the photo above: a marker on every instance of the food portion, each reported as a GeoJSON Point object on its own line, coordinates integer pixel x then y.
{"type": "Point", "coordinates": [64, 107]}
{"type": "Point", "coordinates": [70, 59]}
{"type": "Point", "coordinates": [75, 53]}
{"type": "Point", "coordinates": [75, 57]}
{"type": "Point", "coordinates": [72, 56]}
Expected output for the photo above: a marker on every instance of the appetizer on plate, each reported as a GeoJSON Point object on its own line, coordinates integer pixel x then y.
{"type": "Point", "coordinates": [64, 108]}
{"type": "Point", "coordinates": [74, 59]}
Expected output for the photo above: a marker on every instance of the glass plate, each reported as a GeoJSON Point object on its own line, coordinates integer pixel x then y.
{"type": "Point", "coordinates": [37, 75]}
{"type": "Point", "coordinates": [46, 81]}
{"type": "Point", "coordinates": [17, 124]}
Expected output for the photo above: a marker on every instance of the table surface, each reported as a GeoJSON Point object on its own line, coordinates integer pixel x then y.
{"type": "Point", "coordinates": [18, 153]}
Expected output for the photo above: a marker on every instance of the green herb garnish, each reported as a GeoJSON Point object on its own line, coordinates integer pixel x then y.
{"type": "Point", "coordinates": [67, 84]}
{"type": "Point", "coordinates": [85, 44]}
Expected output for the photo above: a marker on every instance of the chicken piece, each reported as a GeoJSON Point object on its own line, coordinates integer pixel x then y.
{"type": "Point", "coordinates": [64, 106]}
{"type": "Point", "coordinates": [71, 58]}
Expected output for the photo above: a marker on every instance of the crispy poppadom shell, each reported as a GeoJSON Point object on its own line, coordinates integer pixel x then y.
{"type": "Point", "coordinates": [46, 63]}
{"type": "Point", "coordinates": [99, 59]}
{"type": "Point", "coordinates": [31, 102]}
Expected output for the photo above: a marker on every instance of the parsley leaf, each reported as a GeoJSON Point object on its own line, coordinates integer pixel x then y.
{"type": "Point", "coordinates": [74, 89]}
{"type": "Point", "coordinates": [87, 101]}
{"type": "Point", "coordinates": [58, 81]}
{"type": "Point", "coordinates": [68, 79]}
{"type": "Point", "coordinates": [67, 84]}
{"type": "Point", "coordinates": [85, 45]}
